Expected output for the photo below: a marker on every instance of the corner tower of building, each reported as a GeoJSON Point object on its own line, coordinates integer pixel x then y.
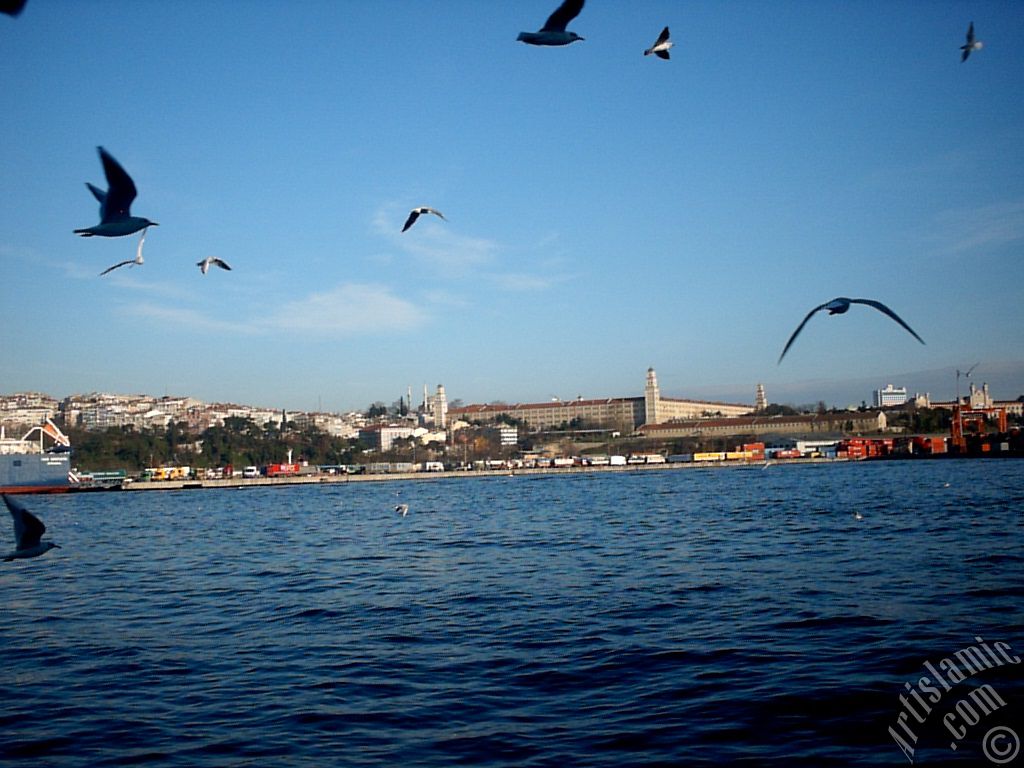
{"type": "Point", "coordinates": [440, 408]}
{"type": "Point", "coordinates": [652, 399]}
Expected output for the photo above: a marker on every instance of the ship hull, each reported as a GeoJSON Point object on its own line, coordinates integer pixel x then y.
{"type": "Point", "coordinates": [35, 473]}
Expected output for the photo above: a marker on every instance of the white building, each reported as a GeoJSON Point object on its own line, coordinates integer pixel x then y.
{"type": "Point", "coordinates": [509, 434]}
{"type": "Point", "coordinates": [890, 396]}
{"type": "Point", "coordinates": [382, 436]}
{"type": "Point", "coordinates": [435, 407]}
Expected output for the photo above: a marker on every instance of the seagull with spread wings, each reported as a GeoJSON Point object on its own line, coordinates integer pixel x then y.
{"type": "Point", "coordinates": [416, 212]}
{"type": "Point", "coordinates": [130, 262]}
{"type": "Point", "coordinates": [116, 219]}
{"type": "Point", "coordinates": [204, 265]}
{"type": "Point", "coordinates": [970, 45]}
{"type": "Point", "coordinates": [841, 305]}
{"type": "Point", "coordinates": [28, 530]}
{"type": "Point", "coordinates": [553, 32]}
{"type": "Point", "coordinates": [661, 46]}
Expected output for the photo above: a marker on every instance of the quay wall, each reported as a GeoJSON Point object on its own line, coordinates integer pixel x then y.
{"type": "Point", "coordinates": [257, 482]}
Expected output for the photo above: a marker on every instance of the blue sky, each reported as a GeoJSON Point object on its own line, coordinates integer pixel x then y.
{"type": "Point", "coordinates": [606, 211]}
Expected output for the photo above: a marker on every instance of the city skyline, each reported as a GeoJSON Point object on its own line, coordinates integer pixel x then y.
{"type": "Point", "coordinates": [937, 395]}
{"type": "Point", "coordinates": [606, 211]}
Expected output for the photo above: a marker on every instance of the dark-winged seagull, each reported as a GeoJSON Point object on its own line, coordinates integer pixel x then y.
{"type": "Point", "coordinates": [402, 509]}
{"type": "Point", "coordinates": [970, 45]}
{"type": "Point", "coordinates": [28, 529]}
{"type": "Point", "coordinates": [553, 32]}
{"type": "Point", "coordinates": [839, 306]}
{"type": "Point", "coordinates": [661, 46]}
{"type": "Point", "coordinates": [115, 204]}
{"type": "Point", "coordinates": [12, 7]}
{"type": "Point", "coordinates": [130, 262]}
{"type": "Point", "coordinates": [415, 214]}
{"type": "Point", "coordinates": [204, 265]}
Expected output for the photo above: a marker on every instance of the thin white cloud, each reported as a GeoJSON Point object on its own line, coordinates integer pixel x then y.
{"type": "Point", "coordinates": [434, 242]}
{"type": "Point", "coordinates": [438, 245]}
{"type": "Point", "coordinates": [977, 230]}
{"type": "Point", "coordinates": [524, 282]}
{"type": "Point", "coordinates": [183, 317]}
{"type": "Point", "coordinates": [347, 309]}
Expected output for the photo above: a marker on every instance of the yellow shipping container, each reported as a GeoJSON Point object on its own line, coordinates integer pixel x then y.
{"type": "Point", "coordinates": [713, 456]}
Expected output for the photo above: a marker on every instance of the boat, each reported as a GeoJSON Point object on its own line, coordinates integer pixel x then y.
{"type": "Point", "coordinates": [29, 465]}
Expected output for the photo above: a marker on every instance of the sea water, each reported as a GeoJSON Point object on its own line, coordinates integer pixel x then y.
{"type": "Point", "coordinates": [691, 617]}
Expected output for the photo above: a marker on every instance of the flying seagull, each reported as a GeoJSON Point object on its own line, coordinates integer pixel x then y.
{"type": "Point", "coordinates": [661, 46]}
{"type": "Point", "coordinates": [115, 204]}
{"type": "Point", "coordinates": [12, 7]}
{"type": "Point", "coordinates": [204, 265]}
{"type": "Point", "coordinates": [839, 306]}
{"type": "Point", "coordinates": [130, 262]}
{"type": "Point", "coordinates": [402, 509]}
{"type": "Point", "coordinates": [970, 45]}
{"type": "Point", "coordinates": [27, 531]}
{"type": "Point", "coordinates": [553, 32]}
{"type": "Point", "coordinates": [415, 214]}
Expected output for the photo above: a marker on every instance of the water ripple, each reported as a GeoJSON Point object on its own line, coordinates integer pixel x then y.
{"type": "Point", "coordinates": [671, 618]}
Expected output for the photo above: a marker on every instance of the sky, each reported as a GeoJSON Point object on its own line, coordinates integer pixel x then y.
{"type": "Point", "coordinates": [606, 211]}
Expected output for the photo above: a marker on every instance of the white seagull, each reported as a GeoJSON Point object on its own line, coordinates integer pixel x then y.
{"type": "Point", "coordinates": [415, 214]}
{"type": "Point", "coordinates": [553, 32]}
{"type": "Point", "coordinates": [661, 46]}
{"type": "Point", "coordinates": [857, 515]}
{"type": "Point", "coordinates": [204, 265]}
{"type": "Point", "coordinates": [115, 204]}
{"type": "Point", "coordinates": [402, 509]}
{"type": "Point", "coordinates": [27, 531]}
{"type": "Point", "coordinates": [839, 306]}
{"type": "Point", "coordinates": [970, 45]}
{"type": "Point", "coordinates": [130, 262]}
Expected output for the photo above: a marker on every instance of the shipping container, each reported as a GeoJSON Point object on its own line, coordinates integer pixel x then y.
{"type": "Point", "coordinates": [677, 458]}
{"type": "Point", "coordinates": [709, 456]}
{"type": "Point", "coordinates": [738, 455]}
{"type": "Point", "coordinates": [787, 453]}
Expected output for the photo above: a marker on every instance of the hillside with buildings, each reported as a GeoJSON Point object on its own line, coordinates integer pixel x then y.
{"type": "Point", "coordinates": [142, 430]}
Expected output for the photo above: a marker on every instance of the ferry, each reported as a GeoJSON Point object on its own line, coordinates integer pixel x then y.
{"type": "Point", "coordinates": [29, 465]}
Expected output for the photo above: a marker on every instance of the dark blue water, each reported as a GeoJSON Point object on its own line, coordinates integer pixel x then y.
{"type": "Point", "coordinates": [693, 617]}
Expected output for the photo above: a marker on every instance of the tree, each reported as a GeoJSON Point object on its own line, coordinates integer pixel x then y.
{"type": "Point", "coordinates": [775, 409]}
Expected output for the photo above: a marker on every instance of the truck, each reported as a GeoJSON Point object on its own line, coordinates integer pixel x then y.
{"type": "Point", "coordinates": [282, 470]}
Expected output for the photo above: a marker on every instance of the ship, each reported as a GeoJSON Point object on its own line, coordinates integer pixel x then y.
{"type": "Point", "coordinates": [30, 465]}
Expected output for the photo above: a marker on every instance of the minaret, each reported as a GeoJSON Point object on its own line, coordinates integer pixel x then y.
{"type": "Point", "coordinates": [652, 399]}
{"type": "Point", "coordinates": [760, 400]}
